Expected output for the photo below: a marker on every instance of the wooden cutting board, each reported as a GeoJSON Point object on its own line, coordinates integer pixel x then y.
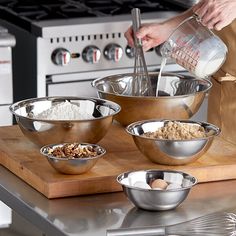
{"type": "Point", "coordinates": [22, 158]}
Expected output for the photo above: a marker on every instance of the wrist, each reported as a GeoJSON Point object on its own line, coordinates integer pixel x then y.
{"type": "Point", "coordinates": [175, 21]}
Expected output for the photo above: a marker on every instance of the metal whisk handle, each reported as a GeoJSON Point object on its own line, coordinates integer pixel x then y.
{"type": "Point", "coordinates": [144, 231]}
{"type": "Point", "coordinates": [136, 21]}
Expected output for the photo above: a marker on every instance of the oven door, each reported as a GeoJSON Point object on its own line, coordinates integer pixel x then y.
{"type": "Point", "coordinates": [72, 88]}
{"type": "Point", "coordinates": [76, 84]}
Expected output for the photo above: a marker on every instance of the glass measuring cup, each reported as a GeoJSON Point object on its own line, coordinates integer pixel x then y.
{"type": "Point", "coordinates": [196, 48]}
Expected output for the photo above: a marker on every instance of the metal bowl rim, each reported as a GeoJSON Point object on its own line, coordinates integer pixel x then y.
{"type": "Point", "coordinates": [68, 159]}
{"type": "Point", "coordinates": [202, 123]}
{"type": "Point", "coordinates": [115, 106]}
{"type": "Point", "coordinates": [158, 190]}
{"type": "Point", "coordinates": [94, 82]}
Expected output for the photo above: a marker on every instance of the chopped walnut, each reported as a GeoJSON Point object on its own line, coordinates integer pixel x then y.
{"type": "Point", "coordinates": [74, 150]}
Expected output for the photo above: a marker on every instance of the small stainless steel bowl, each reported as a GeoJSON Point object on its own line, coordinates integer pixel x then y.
{"type": "Point", "coordinates": [46, 131]}
{"type": "Point", "coordinates": [180, 96]}
{"type": "Point", "coordinates": [171, 152]}
{"type": "Point", "coordinates": [72, 165]}
{"type": "Point", "coordinates": [153, 199]}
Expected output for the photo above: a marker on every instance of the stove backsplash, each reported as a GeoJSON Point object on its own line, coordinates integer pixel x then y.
{"type": "Point", "coordinates": [64, 9]}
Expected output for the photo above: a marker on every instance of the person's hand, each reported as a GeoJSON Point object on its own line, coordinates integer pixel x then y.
{"type": "Point", "coordinates": [216, 14]}
{"type": "Point", "coordinates": [152, 35]}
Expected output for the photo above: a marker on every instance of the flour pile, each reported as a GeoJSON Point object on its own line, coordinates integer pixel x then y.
{"type": "Point", "coordinates": [64, 111]}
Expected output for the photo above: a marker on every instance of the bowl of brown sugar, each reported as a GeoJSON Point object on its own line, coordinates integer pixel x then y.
{"type": "Point", "coordinates": [172, 142]}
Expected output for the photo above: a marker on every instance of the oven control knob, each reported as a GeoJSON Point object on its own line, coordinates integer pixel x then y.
{"type": "Point", "coordinates": [61, 57]}
{"type": "Point", "coordinates": [129, 52]}
{"type": "Point", "coordinates": [113, 52]}
{"type": "Point", "coordinates": [91, 54]}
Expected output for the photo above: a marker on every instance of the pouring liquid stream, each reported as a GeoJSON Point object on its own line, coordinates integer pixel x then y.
{"type": "Point", "coordinates": [163, 63]}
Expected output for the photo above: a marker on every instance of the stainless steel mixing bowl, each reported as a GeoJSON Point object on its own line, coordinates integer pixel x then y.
{"type": "Point", "coordinates": [153, 199]}
{"type": "Point", "coordinates": [75, 165]}
{"type": "Point", "coordinates": [45, 131]}
{"type": "Point", "coordinates": [171, 152]}
{"type": "Point", "coordinates": [179, 96]}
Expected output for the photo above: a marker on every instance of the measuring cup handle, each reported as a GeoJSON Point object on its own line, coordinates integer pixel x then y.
{"type": "Point", "coordinates": [165, 49]}
{"type": "Point", "coordinates": [196, 17]}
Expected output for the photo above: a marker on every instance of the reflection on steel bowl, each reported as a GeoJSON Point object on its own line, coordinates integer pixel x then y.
{"type": "Point", "coordinates": [179, 96]}
{"type": "Point", "coordinates": [156, 199]}
{"type": "Point", "coordinates": [171, 152]}
{"type": "Point", "coordinates": [42, 131]}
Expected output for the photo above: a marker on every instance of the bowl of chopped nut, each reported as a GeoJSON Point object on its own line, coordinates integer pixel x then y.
{"type": "Point", "coordinates": [72, 158]}
{"type": "Point", "coordinates": [172, 142]}
{"type": "Point", "coordinates": [156, 190]}
{"type": "Point", "coordinates": [47, 120]}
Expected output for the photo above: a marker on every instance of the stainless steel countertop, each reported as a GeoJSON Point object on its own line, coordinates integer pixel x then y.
{"type": "Point", "coordinates": [94, 214]}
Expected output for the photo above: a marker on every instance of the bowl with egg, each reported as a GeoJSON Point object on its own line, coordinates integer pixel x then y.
{"type": "Point", "coordinates": [72, 158]}
{"type": "Point", "coordinates": [48, 120]}
{"type": "Point", "coordinates": [172, 142]}
{"type": "Point", "coordinates": [172, 96]}
{"type": "Point", "coordinates": [156, 190]}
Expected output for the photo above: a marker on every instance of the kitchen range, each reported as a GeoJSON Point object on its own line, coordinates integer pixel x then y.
{"type": "Point", "coordinates": [7, 41]}
{"type": "Point", "coordinates": [62, 45]}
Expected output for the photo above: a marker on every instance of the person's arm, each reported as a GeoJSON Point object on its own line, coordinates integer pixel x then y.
{"type": "Point", "coordinates": [153, 34]}
{"type": "Point", "coordinates": [216, 13]}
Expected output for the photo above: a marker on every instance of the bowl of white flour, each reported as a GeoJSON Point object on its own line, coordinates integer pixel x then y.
{"type": "Point", "coordinates": [49, 120]}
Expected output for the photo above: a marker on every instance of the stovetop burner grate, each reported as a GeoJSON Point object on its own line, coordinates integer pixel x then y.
{"type": "Point", "coordinates": [39, 10]}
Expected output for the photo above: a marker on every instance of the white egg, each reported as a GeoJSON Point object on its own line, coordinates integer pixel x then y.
{"type": "Point", "coordinates": [173, 177]}
{"type": "Point", "coordinates": [173, 186]}
{"type": "Point", "coordinates": [136, 176]}
{"type": "Point", "coordinates": [140, 184]}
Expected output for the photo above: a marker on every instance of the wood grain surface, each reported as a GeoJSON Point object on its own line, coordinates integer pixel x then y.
{"type": "Point", "coordinates": [22, 158]}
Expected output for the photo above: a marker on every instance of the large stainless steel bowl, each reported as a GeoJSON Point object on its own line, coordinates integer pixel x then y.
{"type": "Point", "coordinates": [171, 152]}
{"type": "Point", "coordinates": [155, 199]}
{"type": "Point", "coordinates": [45, 131]}
{"type": "Point", "coordinates": [179, 96]}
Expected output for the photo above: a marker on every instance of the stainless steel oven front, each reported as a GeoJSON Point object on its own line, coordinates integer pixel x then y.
{"type": "Point", "coordinates": [62, 46]}
{"type": "Point", "coordinates": [68, 63]}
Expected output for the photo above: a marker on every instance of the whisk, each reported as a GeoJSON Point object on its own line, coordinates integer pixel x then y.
{"type": "Point", "coordinates": [220, 223]}
{"type": "Point", "coordinates": [141, 85]}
